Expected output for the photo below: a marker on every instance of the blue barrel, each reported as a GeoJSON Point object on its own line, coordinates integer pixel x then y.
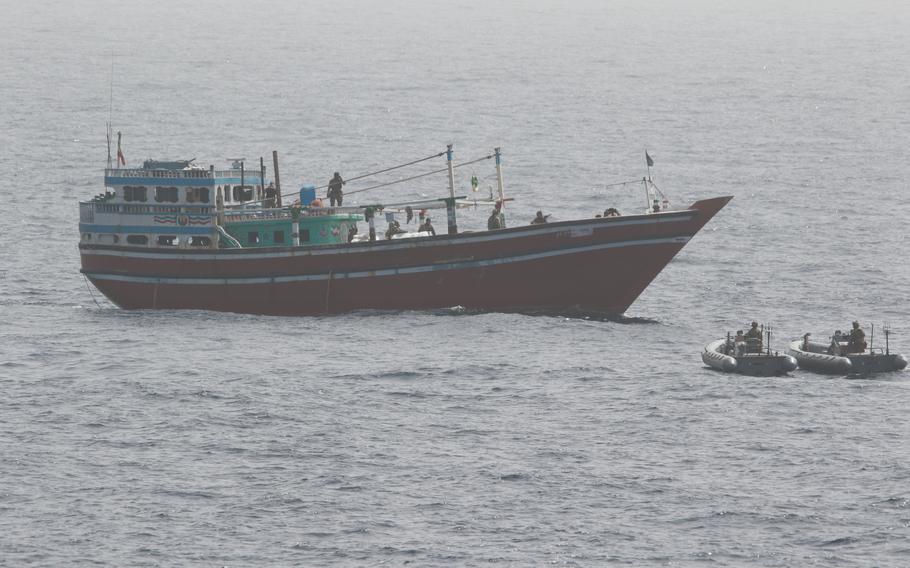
{"type": "Point", "coordinates": [307, 194]}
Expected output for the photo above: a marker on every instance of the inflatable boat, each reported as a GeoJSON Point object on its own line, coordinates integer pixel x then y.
{"type": "Point", "coordinates": [833, 357]}
{"type": "Point", "coordinates": [726, 355]}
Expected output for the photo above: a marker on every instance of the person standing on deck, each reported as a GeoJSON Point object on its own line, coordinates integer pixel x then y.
{"type": "Point", "coordinates": [497, 220]}
{"type": "Point", "coordinates": [270, 196]}
{"type": "Point", "coordinates": [335, 194]}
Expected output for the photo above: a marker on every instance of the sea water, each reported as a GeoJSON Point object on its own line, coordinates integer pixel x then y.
{"type": "Point", "coordinates": [451, 438]}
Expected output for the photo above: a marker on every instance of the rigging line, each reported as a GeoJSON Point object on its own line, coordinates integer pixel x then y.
{"type": "Point", "coordinates": [660, 191]}
{"type": "Point", "coordinates": [439, 171]}
{"type": "Point", "coordinates": [89, 288]}
{"type": "Point", "coordinates": [388, 169]}
{"type": "Point", "coordinates": [398, 181]}
{"type": "Point", "coordinates": [622, 183]}
{"type": "Point", "coordinates": [443, 153]}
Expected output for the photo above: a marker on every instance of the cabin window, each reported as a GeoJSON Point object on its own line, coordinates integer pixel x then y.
{"type": "Point", "coordinates": [253, 238]}
{"type": "Point", "coordinates": [243, 193]}
{"type": "Point", "coordinates": [135, 193]}
{"type": "Point", "coordinates": [137, 239]}
{"type": "Point", "coordinates": [197, 195]}
{"type": "Point", "coordinates": [304, 235]}
{"type": "Point", "coordinates": [88, 236]}
{"type": "Point", "coordinates": [167, 240]}
{"type": "Point", "coordinates": [200, 242]}
{"type": "Point", "coordinates": [166, 194]}
{"type": "Point", "coordinates": [279, 237]}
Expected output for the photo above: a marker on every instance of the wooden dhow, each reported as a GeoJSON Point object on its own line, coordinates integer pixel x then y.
{"type": "Point", "coordinates": [171, 235]}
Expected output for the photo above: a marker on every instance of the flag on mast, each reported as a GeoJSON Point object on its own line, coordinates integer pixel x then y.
{"type": "Point", "coordinates": [120, 159]}
{"type": "Point", "coordinates": [648, 159]}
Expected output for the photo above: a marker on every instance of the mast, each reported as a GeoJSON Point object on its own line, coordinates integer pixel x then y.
{"type": "Point", "coordinates": [242, 183]}
{"type": "Point", "coordinates": [648, 209]}
{"type": "Point", "coordinates": [499, 185]}
{"type": "Point", "coordinates": [451, 169]}
{"type": "Point", "coordinates": [110, 117]}
{"type": "Point", "coordinates": [262, 177]}
{"type": "Point", "coordinates": [277, 179]}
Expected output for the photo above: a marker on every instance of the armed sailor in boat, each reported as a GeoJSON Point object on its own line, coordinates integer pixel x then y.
{"type": "Point", "coordinates": [857, 343]}
{"type": "Point", "coordinates": [844, 343]}
{"type": "Point", "coordinates": [753, 339]}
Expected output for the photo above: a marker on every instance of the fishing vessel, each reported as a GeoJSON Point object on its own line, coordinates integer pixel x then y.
{"type": "Point", "coordinates": [839, 356]}
{"type": "Point", "coordinates": [174, 235]}
{"type": "Point", "coordinates": [747, 356]}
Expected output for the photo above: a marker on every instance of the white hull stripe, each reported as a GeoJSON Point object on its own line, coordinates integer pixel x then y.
{"type": "Point", "coordinates": [228, 255]}
{"type": "Point", "coordinates": [386, 272]}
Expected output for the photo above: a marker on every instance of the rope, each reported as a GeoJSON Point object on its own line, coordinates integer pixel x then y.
{"type": "Point", "coordinates": [662, 195]}
{"type": "Point", "coordinates": [419, 175]}
{"type": "Point", "coordinates": [397, 181]}
{"type": "Point", "coordinates": [456, 166]}
{"type": "Point", "coordinates": [89, 288]}
{"type": "Point", "coordinates": [622, 183]}
{"type": "Point", "coordinates": [371, 174]}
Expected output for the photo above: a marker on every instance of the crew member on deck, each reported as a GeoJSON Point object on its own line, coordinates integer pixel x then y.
{"type": "Point", "coordinates": [857, 339]}
{"type": "Point", "coordinates": [270, 196]}
{"type": "Point", "coordinates": [497, 220]}
{"type": "Point", "coordinates": [426, 227]}
{"type": "Point", "coordinates": [394, 229]}
{"type": "Point", "coordinates": [335, 194]}
{"type": "Point", "coordinates": [540, 219]}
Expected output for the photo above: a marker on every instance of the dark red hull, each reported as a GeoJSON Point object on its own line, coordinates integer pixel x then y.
{"type": "Point", "coordinates": [594, 265]}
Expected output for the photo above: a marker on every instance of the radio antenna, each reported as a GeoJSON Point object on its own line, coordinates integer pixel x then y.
{"type": "Point", "coordinates": [110, 115]}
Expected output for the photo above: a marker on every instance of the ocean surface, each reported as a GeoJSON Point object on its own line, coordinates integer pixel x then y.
{"type": "Point", "coordinates": [451, 438]}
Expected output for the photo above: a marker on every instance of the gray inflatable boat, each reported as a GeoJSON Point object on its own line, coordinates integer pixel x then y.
{"type": "Point", "coordinates": [833, 357]}
{"type": "Point", "coordinates": [737, 357]}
